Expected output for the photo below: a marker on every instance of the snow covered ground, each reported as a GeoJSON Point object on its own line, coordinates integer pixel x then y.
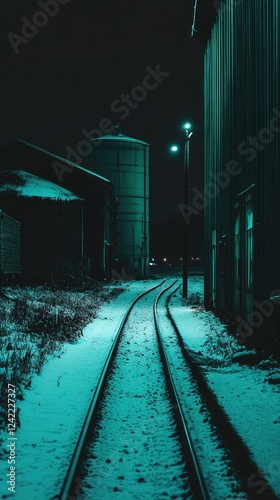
{"type": "Point", "coordinates": [53, 409]}
{"type": "Point", "coordinates": [136, 453]}
{"type": "Point", "coordinates": [250, 395]}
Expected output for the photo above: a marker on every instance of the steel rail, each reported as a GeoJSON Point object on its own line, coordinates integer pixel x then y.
{"type": "Point", "coordinates": [68, 486]}
{"type": "Point", "coordinates": [240, 454]}
{"type": "Point", "coordinates": [199, 485]}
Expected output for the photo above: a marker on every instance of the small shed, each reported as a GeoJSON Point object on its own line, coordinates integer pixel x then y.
{"type": "Point", "coordinates": [51, 220]}
{"type": "Point", "coordinates": [100, 204]}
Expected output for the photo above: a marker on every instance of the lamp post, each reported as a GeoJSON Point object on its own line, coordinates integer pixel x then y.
{"type": "Point", "coordinates": [174, 149]}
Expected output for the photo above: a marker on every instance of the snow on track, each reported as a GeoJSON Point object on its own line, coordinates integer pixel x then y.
{"type": "Point", "coordinates": [136, 453]}
{"type": "Point", "coordinates": [214, 461]}
{"type": "Point", "coordinates": [52, 412]}
{"type": "Point", "coordinates": [245, 392]}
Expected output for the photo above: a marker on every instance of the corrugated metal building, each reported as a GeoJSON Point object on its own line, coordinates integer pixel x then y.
{"type": "Point", "coordinates": [10, 245]}
{"type": "Point", "coordinates": [51, 224]}
{"type": "Point", "coordinates": [98, 222]}
{"type": "Point", "coordinates": [241, 172]}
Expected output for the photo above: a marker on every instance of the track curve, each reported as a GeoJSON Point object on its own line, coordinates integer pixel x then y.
{"type": "Point", "coordinates": [192, 480]}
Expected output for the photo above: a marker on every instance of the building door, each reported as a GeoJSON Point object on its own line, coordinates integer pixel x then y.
{"type": "Point", "coordinates": [213, 267]}
{"type": "Point", "coordinates": [244, 256]}
{"type": "Point", "coordinates": [221, 292]}
{"type": "Point", "coordinates": [248, 289]}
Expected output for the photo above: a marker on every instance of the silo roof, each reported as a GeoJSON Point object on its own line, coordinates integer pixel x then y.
{"type": "Point", "coordinates": [28, 185]}
{"type": "Point", "coordinates": [121, 137]}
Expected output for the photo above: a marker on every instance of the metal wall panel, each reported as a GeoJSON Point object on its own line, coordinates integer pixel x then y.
{"type": "Point", "coordinates": [242, 115]}
{"type": "Point", "coordinates": [10, 261]}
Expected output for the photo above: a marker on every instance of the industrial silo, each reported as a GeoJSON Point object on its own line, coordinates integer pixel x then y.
{"type": "Point", "coordinates": [125, 161]}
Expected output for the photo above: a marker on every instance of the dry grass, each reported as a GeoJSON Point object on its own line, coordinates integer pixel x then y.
{"type": "Point", "coordinates": [36, 322]}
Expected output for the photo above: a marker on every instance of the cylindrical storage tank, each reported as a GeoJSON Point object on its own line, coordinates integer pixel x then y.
{"type": "Point", "coordinates": [125, 162]}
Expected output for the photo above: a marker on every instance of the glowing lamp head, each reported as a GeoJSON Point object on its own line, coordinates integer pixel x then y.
{"type": "Point", "coordinates": [174, 149]}
{"type": "Point", "coordinates": [187, 126]}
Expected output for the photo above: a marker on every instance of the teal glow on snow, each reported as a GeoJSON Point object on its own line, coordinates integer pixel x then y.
{"type": "Point", "coordinates": [28, 185]}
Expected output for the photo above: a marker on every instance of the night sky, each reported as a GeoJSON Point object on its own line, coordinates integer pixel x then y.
{"type": "Point", "coordinates": [71, 71]}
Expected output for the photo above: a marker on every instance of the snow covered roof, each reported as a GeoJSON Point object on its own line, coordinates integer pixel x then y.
{"type": "Point", "coordinates": [28, 185]}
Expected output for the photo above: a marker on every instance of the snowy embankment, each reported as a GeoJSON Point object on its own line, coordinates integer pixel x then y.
{"type": "Point", "coordinates": [250, 395]}
{"type": "Point", "coordinates": [53, 409]}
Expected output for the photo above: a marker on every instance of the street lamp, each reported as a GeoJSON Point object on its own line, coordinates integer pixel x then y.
{"type": "Point", "coordinates": [174, 149]}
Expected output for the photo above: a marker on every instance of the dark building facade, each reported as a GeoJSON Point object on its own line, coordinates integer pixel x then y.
{"type": "Point", "coordinates": [82, 227]}
{"type": "Point", "coordinates": [10, 245]}
{"type": "Point", "coordinates": [241, 167]}
{"type": "Point", "coordinates": [51, 225]}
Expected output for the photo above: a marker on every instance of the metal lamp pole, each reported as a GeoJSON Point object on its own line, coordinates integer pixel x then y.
{"type": "Point", "coordinates": [186, 200]}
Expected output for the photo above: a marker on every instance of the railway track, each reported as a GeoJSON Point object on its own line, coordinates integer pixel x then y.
{"type": "Point", "coordinates": [138, 439]}
{"type": "Point", "coordinates": [235, 455]}
{"type": "Point", "coordinates": [135, 440]}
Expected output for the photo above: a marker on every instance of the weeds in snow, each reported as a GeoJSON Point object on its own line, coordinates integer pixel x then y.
{"type": "Point", "coordinates": [220, 345]}
{"type": "Point", "coordinates": [35, 322]}
{"type": "Point", "coordinates": [195, 299]}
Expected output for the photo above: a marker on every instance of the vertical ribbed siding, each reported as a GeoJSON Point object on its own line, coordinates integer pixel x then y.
{"type": "Point", "coordinates": [241, 89]}
{"type": "Point", "coordinates": [10, 233]}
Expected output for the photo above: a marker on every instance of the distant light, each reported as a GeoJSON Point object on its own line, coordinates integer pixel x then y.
{"type": "Point", "coordinates": [174, 149]}
{"type": "Point", "coordinates": [165, 259]}
{"type": "Point", "coordinates": [187, 125]}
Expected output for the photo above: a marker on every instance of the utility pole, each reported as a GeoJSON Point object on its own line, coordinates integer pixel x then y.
{"type": "Point", "coordinates": [186, 241]}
